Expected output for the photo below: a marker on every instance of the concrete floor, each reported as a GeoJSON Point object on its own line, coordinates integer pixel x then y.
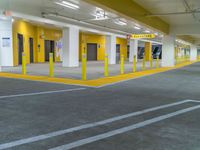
{"type": "Point", "coordinates": [29, 109]}
{"type": "Point", "coordinates": [95, 69]}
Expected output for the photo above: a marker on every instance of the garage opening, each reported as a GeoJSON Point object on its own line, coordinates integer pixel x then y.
{"type": "Point", "coordinates": [31, 50]}
{"type": "Point", "coordinates": [20, 47]}
{"type": "Point", "coordinates": [91, 52]}
{"type": "Point", "coordinates": [49, 48]}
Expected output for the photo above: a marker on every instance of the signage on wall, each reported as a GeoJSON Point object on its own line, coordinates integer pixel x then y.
{"type": "Point", "coordinates": [6, 42]}
{"type": "Point", "coordinates": [143, 36]}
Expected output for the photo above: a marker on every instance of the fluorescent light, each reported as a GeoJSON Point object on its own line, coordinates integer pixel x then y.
{"type": "Point", "coordinates": [71, 4]}
{"type": "Point", "coordinates": [68, 5]}
{"type": "Point", "coordinates": [147, 31]}
{"type": "Point", "coordinates": [137, 28]}
{"type": "Point", "coordinates": [120, 22]}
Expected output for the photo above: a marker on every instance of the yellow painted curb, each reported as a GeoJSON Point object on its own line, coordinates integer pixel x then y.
{"type": "Point", "coordinates": [95, 82]}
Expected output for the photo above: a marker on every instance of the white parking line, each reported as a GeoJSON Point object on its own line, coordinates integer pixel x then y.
{"type": "Point", "coordinates": [123, 130]}
{"type": "Point", "coordinates": [86, 126]}
{"type": "Point", "coordinates": [41, 93]}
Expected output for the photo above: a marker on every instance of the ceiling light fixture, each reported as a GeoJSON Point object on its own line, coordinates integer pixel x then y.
{"type": "Point", "coordinates": [68, 4]}
{"type": "Point", "coordinates": [120, 22]}
{"type": "Point", "coordinates": [147, 31]}
{"type": "Point", "coordinates": [137, 28]}
{"type": "Point", "coordinates": [100, 15]}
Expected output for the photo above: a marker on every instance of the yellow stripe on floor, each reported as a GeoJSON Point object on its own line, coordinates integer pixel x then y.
{"type": "Point", "coordinates": [95, 82]}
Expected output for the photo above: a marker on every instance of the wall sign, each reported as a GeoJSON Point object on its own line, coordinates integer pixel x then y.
{"type": "Point", "coordinates": [142, 36]}
{"type": "Point", "coordinates": [6, 42]}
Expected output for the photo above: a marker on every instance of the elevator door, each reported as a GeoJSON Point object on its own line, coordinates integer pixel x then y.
{"type": "Point", "coordinates": [31, 50]}
{"type": "Point", "coordinates": [49, 48]}
{"type": "Point", "coordinates": [117, 53]}
{"type": "Point", "coordinates": [20, 48]}
{"type": "Point", "coordinates": [91, 52]}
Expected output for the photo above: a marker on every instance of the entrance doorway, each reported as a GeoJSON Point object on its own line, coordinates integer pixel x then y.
{"type": "Point", "coordinates": [31, 50]}
{"type": "Point", "coordinates": [20, 47]}
{"type": "Point", "coordinates": [117, 53]}
{"type": "Point", "coordinates": [49, 48]}
{"type": "Point", "coordinates": [91, 52]}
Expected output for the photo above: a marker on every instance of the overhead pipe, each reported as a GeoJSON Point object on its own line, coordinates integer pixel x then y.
{"type": "Point", "coordinates": [174, 13]}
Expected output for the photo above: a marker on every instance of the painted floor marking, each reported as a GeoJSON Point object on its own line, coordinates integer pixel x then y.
{"type": "Point", "coordinates": [123, 130]}
{"type": "Point", "coordinates": [41, 93]}
{"type": "Point", "coordinates": [86, 126]}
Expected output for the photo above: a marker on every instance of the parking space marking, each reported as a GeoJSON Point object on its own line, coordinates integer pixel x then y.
{"type": "Point", "coordinates": [123, 130]}
{"type": "Point", "coordinates": [41, 93]}
{"type": "Point", "coordinates": [86, 126]}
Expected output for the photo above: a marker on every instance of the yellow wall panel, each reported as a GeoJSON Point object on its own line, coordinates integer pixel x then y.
{"type": "Point", "coordinates": [39, 34]}
{"type": "Point", "coordinates": [92, 38]}
{"type": "Point", "coordinates": [123, 46]}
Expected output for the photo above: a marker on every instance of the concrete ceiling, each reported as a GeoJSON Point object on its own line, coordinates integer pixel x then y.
{"type": "Point", "coordinates": [84, 14]}
{"type": "Point", "coordinates": [177, 13]}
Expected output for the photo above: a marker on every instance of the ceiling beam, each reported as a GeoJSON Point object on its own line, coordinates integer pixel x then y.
{"type": "Point", "coordinates": [133, 11]}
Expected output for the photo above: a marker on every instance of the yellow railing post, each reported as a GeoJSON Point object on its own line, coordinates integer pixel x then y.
{"type": "Point", "coordinates": [122, 64]}
{"type": "Point", "coordinates": [134, 64]}
{"type": "Point", "coordinates": [51, 65]}
{"type": "Point", "coordinates": [84, 67]}
{"type": "Point", "coordinates": [157, 62]}
{"type": "Point", "coordinates": [23, 63]}
{"type": "Point", "coordinates": [151, 62]}
{"type": "Point", "coordinates": [143, 64]}
{"type": "Point", "coordinates": [106, 72]}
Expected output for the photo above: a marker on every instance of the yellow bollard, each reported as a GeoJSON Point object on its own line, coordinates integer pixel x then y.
{"type": "Point", "coordinates": [134, 64]}
{"type": "Point", "coordinates": [157, 62]}
{"type": "Point", "coordinates": [84, 67]}
{"type": "Point", "coordinates": [106, 72]}
{"type": "Point", "coordinates": [51, 65]}
{"type": "Point", "coordinates": [122, 64]}
{"type": "Point", "coordinates": [143, 64]}
{"type": "Point", "coordinates": [151, 62]}
{"type": "Point", "coordinates": [24, 63]}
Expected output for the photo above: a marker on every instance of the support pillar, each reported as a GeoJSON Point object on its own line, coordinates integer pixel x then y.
{"type": "Point", "coordinates": [148, 51]}
{"type": "Point", "coordinates": [111, 48]}
{"type": "Point", "coordinates": [70, 54]}
{"type": "Point", "coordinates": [133, 50]}
{"type": "Point", "coordinates": [193, 53]}
{"type": "Point", "coordinates": [6, 42]}
{"type": "Point", "coordinates": [168, 51]}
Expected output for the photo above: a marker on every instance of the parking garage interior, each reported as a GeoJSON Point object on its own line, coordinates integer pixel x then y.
{"type": "Point", "coordinates": [99, 75]}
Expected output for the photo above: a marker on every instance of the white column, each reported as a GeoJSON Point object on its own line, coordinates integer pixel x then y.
{"type": "Point", "coordinates": [70, 52]}
{"type": "Point", "coordinates": [6, 44]}
{"type": "Point", "coordinates": [193, 53]}
{"type": "Point", "coordinates": [168, 57]}
{"type": "Point", "coordinates": [111, 48]}
{"type": "Point", "coordinates": [133, 49]}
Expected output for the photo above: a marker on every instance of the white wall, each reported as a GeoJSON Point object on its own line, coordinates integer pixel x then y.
{"type": "Point", "coordinates": [168, 57]}
{"type": "Point", "coordinates": [133, 49]}
{"type": "Point", "coordinates": [111, 48]}
{"type": "Point", "coordinates": [70, 52]}
{"type": "Point", "coordinates": [6, 51]}
{"type": "Point", "coordinates": [193, 53]}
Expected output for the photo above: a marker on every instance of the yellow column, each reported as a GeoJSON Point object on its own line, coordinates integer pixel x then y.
{"type": "Point", "coordinates": [51, 65]}
{"type": "Point", "coordinates": [23, 63]}
{"type": "Point", "coordinates": [122, 64]}
{"type": "Point", "coordinates": [148, 51]}
{"type": "Point", "coordinates": [84, 66]}
{"type": "Point", "coordinates": [106, 72]}
{"type": "Point", "coordinates": [134, 64]}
